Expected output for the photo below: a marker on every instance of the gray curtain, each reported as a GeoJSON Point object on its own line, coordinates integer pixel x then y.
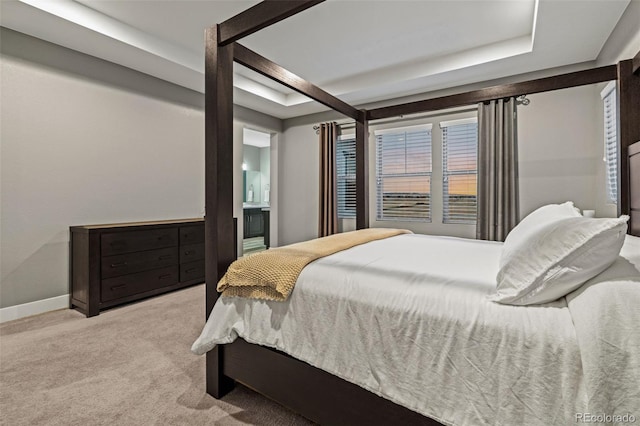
{"type": "Point", "coordinates": [328, 214]}
{"type": "Point", "coordinates": [498, 194]}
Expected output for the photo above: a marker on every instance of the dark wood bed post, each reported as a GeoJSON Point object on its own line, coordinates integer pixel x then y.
{"type": "Point", "coordinates": [220, 245]}
{"type": "Point", "coordinates": [628, 123]}
{"type": "Point", "coordinates": [362, 171]}
{"type": "Point", "coordinates": [219, 237]}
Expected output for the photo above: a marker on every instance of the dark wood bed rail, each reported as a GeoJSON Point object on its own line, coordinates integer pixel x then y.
{"type": "Point", "coordinates": [236, 361]}
{"type": "Point", "coordinates": [321, 396]}
{"type": "Point", "coordinates": [260, 16]}
{"type": "Point", "coordinates": [264, 66]}
{"type": "Point", "coordinates": [561, 81]}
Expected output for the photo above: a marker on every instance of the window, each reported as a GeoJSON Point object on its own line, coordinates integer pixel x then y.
{"type": "Point", "coordinates": [611, 141]}
{"type": "Point", "coordinates": [459, 170]}
{"type": "Point", "coordinates": [346, 176]}
{"type": "Point", "coordinates": [403, 173]}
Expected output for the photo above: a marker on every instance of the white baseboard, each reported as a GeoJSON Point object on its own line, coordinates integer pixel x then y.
{"type": "Point", "coordinates": [11, 313]}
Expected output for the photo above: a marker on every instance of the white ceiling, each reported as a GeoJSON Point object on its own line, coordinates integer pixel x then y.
{"type": "Point", "coordinates": [360, 50]}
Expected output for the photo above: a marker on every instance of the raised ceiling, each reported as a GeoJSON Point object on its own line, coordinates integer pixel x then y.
{"type": "Point", "coordinates": [360, 51]}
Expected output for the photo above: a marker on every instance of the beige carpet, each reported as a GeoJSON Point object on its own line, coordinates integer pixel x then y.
{"type": "Point", "coordinates": [127, 366]}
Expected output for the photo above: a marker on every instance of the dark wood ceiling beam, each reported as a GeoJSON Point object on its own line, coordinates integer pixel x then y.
{"type": "Point", "coordinates": [260, 16]}
{"type": "Point", "coordinates": [264, 66]}
{"type": "Point", "coordinates": [562, 81]}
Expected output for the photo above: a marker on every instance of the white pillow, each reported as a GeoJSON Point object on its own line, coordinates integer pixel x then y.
{"type": "Point", "coordinates": [556, 258]}
{"type": "Point", "coordinates": [631, 250]}
{"type": "Point", "coordinates": [534, 221]}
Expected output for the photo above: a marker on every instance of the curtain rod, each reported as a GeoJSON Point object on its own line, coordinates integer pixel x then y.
{"type": "Point", "coordinates": [349, 123]}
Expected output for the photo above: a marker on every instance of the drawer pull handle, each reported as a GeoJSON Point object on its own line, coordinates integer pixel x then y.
{"type": "Point", "coordinates": [164, 277]}
{"type": "Point", "coordinates": [117, 265]}
{"type": "Point", "coordinates": [165, 257]}
{"type": "Point", "coordinates": [190, 270]}
{"type": "Point", "coordinates": [118, 287]}
{"type": "Point", "coordinates": [117, 243]}
{"type": "Point", "coordinates": [188, 252]}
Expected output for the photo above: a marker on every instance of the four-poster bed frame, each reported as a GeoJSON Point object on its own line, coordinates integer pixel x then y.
{"type": "Point", "coordinates": [314, 393]}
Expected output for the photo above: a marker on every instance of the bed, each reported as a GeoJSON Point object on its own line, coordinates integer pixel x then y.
{"type": "Point", "coordinates": [411, 321]}
{"type": "Point", "coordinates": [297, 379]}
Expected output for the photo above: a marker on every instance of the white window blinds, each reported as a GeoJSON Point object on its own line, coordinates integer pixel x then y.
{"type": "Point", "coordinates": [611, 141]}
{"type": "Point", "coordinates": [346, 176]}
{"type": "Point", "coordinates": [403, 173]}
{"type": "Point", "coordinates": [460, 170]}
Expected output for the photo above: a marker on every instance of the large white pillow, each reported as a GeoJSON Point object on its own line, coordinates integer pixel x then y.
{"type": "Point", "coordinates": [534, 221]}
{"type": "Point", "coordinates": [552, 259]}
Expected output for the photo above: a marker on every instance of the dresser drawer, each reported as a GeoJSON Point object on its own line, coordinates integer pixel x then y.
{"type": "Point", "coordinates": [122, 264]}
{"type": "Point", "coordinates": [128, 285]}
{"type": "Point", "coordinates": [191, 234]}
{"type": "Point", "coordinates": [192, 270]}
{"type": "Point", "coordinates": [191, 252]}
{"type": "Point", "coordinates": [127, 242]}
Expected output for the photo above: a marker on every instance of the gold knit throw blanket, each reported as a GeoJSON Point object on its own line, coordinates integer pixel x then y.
{"type": "Point", "coordinates": [273, 273]}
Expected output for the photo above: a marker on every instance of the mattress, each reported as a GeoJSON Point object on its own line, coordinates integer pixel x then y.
{"type": "Point", "coordinates": [408, 318]}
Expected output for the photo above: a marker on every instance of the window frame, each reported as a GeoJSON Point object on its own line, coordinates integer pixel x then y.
{"type": "Point", "coordinates": [610, 142]}
{"type": "Point", "coordinates": [444, 125]}
{"type": "Point", "coordinates": [380, 177]}
{"type": "Point", "coordinates": [346, 211]}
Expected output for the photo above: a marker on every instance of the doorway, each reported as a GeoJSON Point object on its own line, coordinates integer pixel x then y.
{"type": "Point", "coordinates": [256, 191]}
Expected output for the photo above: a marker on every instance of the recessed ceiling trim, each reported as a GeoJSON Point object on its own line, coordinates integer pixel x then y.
{"type": "Point", "coordinates": [432, 66]}
{"type": "Point", "coordinates": [98, 22]}
{"type": "Point", "coordinates": [95, 21]}
{"type": "Point", "coordinates": [251, 86]}
{"type": "Point", "coordinates": [459, 60]}
{"type": "Point", "coordinates": [132, 34]}
{"type": "Point", "coordinates": [534, 24]}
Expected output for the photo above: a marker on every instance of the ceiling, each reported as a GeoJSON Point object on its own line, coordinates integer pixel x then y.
{"type": "Point", "coordinates": [361, 51]}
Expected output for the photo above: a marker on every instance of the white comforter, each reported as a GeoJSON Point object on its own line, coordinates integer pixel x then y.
{"type": "Point", "coordinates": [408, 319]}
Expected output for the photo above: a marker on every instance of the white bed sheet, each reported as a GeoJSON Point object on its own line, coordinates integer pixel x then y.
{"type": "Point", "coordinates": [408, 318]}
{"type": "Point", "coordinates": [606, 315]}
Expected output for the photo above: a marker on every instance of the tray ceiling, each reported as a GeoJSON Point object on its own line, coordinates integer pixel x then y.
{"type": "Point", "coordinates": [360, 51]}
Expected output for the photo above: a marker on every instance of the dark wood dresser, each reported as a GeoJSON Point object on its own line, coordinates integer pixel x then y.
{"type": "Point", "coordinates": [119, 263]}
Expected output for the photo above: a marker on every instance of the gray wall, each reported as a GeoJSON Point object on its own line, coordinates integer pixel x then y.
{"type": "Point", "coordinates": [298, 185]}
{"type": "Point", "coordinates": [624, 41]}
{"type": "Point", "coordinates": [560, 149]}
{"type": "Point", "coordinates": [85, 141]}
